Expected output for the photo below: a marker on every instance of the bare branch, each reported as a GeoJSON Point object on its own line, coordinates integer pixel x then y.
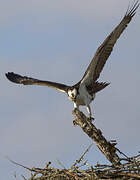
{"type": "Point", "coordinates": [106, 147]}
{"type": "Point", "coordinates": [81, 157]}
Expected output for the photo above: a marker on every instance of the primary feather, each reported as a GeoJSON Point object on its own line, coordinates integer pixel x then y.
{"type": "Point", "coordinates": [16, 78]}
{"type": "Point", "coordinates": [103, 52]}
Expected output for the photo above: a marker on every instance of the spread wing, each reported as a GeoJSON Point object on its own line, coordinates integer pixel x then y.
{"type": "Point", "coordinates": [103, 52]}
{"type": "Point", "coordinates": [16, 78]}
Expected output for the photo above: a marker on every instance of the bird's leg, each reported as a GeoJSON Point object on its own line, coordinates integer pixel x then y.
{"type": "Point", "coordinates": [89, 113]}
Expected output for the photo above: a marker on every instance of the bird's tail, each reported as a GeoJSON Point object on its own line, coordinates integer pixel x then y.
{"type": "Point", "coordinates": [98, 86]}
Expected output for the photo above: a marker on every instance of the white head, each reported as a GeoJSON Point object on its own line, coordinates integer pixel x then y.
{"type": "Point", "coordinates": [72, 93]}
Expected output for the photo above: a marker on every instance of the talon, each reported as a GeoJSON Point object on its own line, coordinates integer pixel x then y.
{"type": "Point", "coordinates": [91, 119]}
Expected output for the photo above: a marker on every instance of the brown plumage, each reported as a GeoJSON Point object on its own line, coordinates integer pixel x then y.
{"type": "Point", "coordinates": [96, 87]}
{"type": "Point", "coordinates": [16, 78]}
{"type": "Point", "coordinates": [84, 91]}
{"type": "Point", "coordinates": [103, 52]}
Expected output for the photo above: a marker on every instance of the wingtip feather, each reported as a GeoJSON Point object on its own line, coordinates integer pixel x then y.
{"type": "Point", "coordinates": [13, 77]}
{"type": "Point", "coordinates": [131, 10]}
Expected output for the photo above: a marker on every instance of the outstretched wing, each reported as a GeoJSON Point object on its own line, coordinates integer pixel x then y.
{"type": "Point", "coordinates": [103, 52]}
{"type": "Point", "coordinates": [16, 78]}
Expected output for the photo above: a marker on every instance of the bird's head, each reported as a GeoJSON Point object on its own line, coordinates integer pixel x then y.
{"type": "Point", "coordinates": [72, 93]}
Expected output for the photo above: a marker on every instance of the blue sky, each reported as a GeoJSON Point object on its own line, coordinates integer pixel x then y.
{"type": "Point", "coordinates": [55, 40]}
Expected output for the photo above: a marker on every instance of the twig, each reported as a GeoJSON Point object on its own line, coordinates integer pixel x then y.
{"type": "Point", "coordinates": [123, 154]}
{"type": "Point", "coordinates": [81, 157]}
{"type": "Point", "coordinates": [23, 177]}
{"type": "Point", "coordinates": [30, 169]}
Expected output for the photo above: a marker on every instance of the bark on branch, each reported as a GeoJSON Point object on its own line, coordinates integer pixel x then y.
{"type": "Point", "coordinates": [106, 147]}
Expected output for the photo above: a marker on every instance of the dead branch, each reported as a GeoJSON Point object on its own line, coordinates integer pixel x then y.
{"type": "Point", "coordinates": [80, 159]}
{"type": "Point", "coordinates": [106, 147]}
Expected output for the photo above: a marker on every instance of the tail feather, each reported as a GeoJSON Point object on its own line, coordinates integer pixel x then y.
{"type": "Point", "coordinates": [98, 86]}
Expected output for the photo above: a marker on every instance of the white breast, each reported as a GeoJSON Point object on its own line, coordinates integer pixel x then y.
{"type": "Point", "coordinates": [83, 98]}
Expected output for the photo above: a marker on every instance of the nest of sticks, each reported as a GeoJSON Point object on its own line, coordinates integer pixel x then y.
{"type": "Point", "coordinates": [82, 170]}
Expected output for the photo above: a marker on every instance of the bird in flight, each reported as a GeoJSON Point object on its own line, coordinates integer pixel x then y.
{"type": "Point", "coordinates": [83, 92]}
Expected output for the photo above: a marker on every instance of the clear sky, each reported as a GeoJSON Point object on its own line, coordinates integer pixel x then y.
{"type": "Point", "coordinates": [55, 40]}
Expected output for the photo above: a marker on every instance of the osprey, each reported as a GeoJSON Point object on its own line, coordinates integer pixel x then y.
{"type": "Point", "coordinates": [83, 93]}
